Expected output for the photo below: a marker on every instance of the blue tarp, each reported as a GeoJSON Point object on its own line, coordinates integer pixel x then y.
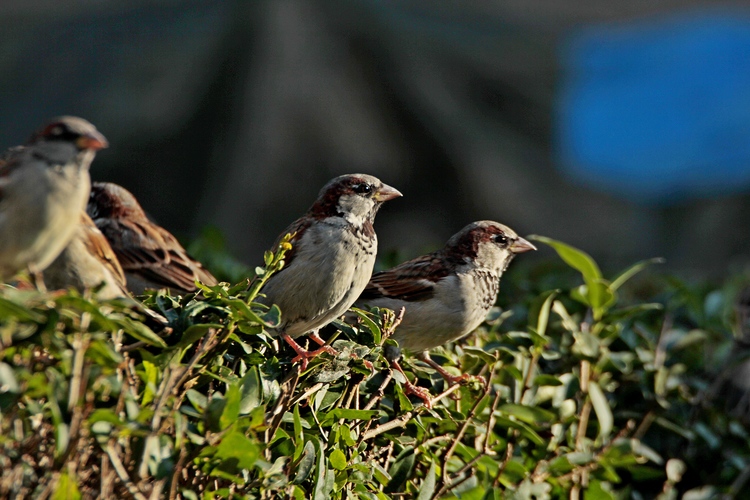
{"type": "Point", "coordinates": [658, 110]}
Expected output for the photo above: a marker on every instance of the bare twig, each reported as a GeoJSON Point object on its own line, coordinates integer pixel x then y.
{"type": "Point", "coordinates": [176, 474]}
{"type": "Point", "coordinates": [459, 477]}
{"type": "Point", "coordinates": [460, 434]}
{"type": "Point", "coordinates": [403, 419]}
{"type": "Point", "coordinates": [508, 456]}
{"type": "Point", "coordinates": [380, 393]}
{"type": "Point", "coordinates": [307, 393]}
{"type": "Point", "coordinates": [123, 474]}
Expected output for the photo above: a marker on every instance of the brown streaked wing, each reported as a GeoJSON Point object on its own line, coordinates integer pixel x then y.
{"type": "Point", "coordinates": [98, 246]}
{"type": "Point", "coordinates": [412, 281]}
{"type": "Point", "coordinates": [154, 254]}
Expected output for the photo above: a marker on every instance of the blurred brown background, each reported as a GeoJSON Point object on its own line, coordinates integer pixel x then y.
{"type": "Point", "coordinates": [234, 113]}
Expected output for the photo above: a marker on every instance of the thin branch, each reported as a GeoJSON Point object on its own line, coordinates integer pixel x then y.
{"type": "Point", "coordinates": [455, 480]}
{"type": "Point", "coordinates": [509, 448]}
{"type": "Point", "coordinates": [403, 419]}
{"type": "Point", "coordinates": [465, 425]}
{"type": "Point", "coordinates": [123, 475]}
{"type": "Point", "coordinates": [380, 393]}
{"type": "Point", "coordinates": [307, 393]}
{"type": "Point", "coordinates": [391, 424]}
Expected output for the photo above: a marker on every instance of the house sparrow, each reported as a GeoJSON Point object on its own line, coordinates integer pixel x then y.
{"type": "Point", "coordinates": [43, 188]}
{"type": "Point", "coordinates": [149, 254]}
{"type": "Point", "coordinates": [331, 260]}
{"type": "Point", "coordinates": [87, 262]}
{"type": "Point", "coordinates": [446, 294]}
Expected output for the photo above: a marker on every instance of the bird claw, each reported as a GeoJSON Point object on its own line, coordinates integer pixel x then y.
{"type": "Point", "coordinates": [463, 379]}
{"type": "Point", "coordinates": [420, 392]}
{"type": "Point", "coordinates": [410, 388]}
{"type": "Point", "coordinates": [303, 356]}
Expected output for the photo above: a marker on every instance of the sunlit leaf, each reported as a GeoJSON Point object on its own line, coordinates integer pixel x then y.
{"type": "Point", "coordinates": [530, 414]}
{"type": "Point", "coordinates": [66, 488]}
{"type": "Point", "coordinates": [575, 258]}
{"type": "Point", "coordinates": [602, 409]}
{"type": "Point", "coordinates": [633, 270]}
{"type": "Point", "coordinates": [238, 449]}
{"type": "Point", "coordinates": [428, 485]}
{"type": "Point", "coordinates": [337, 459]}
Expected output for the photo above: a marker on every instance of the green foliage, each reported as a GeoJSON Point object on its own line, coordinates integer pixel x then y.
{"type": "Point", "coordinates": [592, 392]}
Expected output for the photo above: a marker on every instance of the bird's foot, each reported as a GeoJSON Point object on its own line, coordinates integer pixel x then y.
{"type": "Point", "coordinates": [410, 388]}
{"type": "Point", "coordinates": [419, 392]}
{"type": "Point", "coordinates": [318, 340]}
{"type": "Point", "coordinates": [303, 355]}
{"type": "Point", "coordinates": [465, 378]}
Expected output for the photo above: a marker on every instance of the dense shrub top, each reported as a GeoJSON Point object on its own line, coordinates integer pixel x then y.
{"type": "Point", "coordinates": [597, 388]}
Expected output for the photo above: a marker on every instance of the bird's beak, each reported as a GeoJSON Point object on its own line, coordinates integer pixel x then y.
{"type": "Point", "coordinates": [386, 192]}
{"type": "Point", "coordinates": [521, 245]}
{"type": "Point", "coordinates": [92, 140]}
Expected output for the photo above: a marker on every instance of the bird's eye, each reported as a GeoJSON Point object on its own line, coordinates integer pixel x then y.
{"type": "Point", "coordinates": [501, 239]}
{"type": "Point", "coordinates": [363, 188]}
{"type": "Point", "coordinates": [56, 130]}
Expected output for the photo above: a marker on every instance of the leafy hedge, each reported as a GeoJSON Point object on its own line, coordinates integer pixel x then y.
{"type": "Point", "coordinates": [594, 392]}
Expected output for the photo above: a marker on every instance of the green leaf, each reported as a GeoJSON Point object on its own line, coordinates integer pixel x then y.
{"type": "Point", "coordinates": [547, 380]}
{"type": "Point", "coordinates": [66, 488]}
{"type": "Point", "coordinates": [403, 400]}
{"type": "Point", "coordinates": [9, 309]}
{"type": "Point", "coordinates": [151, 373]}
{"type": "Point", "coordinates": [628, 312]}
{"type": "Point", "coordinates": [530, 414]}
{"type": "Point", "coordinates": [401, 469]}
{"type": "Point", "coordinates": [526, 431]}
{"type": "Point", "coordinates": [252, 391]}
{"type": "Point", "coordinates": [599, 490]}
{"type": "Point", "coordinates": [380, 474]}
{"type": "Point", "coordinates": [324, 478]}
{"type": "Point", "coordinates": [306, 463]}
{"type": "Point", "coordinates": [337, 459]}
{"type": "Point", "coordinates": [543, 319]}
{"type": "Point", "coordinates": [270, 318]}
{"type": "Point", "coordinates": [140, 332]}
{"type": "Point", "coordinates": [198, 400]}
{"type": "Point", "coordinates": [196, 332]}
{"type": "Point", "coordinates": [105, 415]}
{"type": "Point", "coordinates": [231, 410]}
{"type": "Point", "coordinates": [480, 353]}
{"type": "Point", "coordinates": [602, 409]}
{"type": "Point", "coordinates": [298, 436]}
{"type": "Point", "coordinates": [237, 450]}
{"type": "Point", "coordinates": [62, 433]}
{"type": "Point", "coordinates": [633, 270]}
{"type": "Point", "coordinates": [575, 258]}
{"type": "Point", "coordinates": [370, 324]}
{"type": "Point", "coordinates": [428, 485]}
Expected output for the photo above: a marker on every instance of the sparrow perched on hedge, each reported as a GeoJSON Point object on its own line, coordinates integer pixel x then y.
{"type": "Point", "coordinates": [87, 262]}
{"type": "Point", "coordinates": [43, 188]}
{"type": "Point", "coordinates": [149, 254]}
{"type": "Point", "coordinates": [331, 260]}
{"type": "Point", "coordinates": [448, 293]}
